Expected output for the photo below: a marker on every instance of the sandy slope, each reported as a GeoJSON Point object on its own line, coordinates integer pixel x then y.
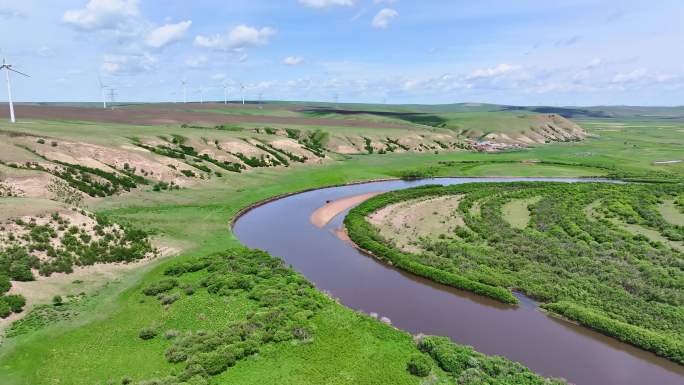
{"type": "Point", "coordinates": [326, 213]}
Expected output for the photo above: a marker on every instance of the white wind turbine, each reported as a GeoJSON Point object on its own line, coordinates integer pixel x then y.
{"type": "Point", "coordinates": [242, 91]}
{"type": "Point", "coordinates": [8, 68]}
{"type": "Point", "coordinates": [201, 92]}
{"type": "Point", "coordinates": [103, 87]}
{"type": "Point", "coordinates": [185, 94]}
{"type": "Point", "coordinates": [225, 93]}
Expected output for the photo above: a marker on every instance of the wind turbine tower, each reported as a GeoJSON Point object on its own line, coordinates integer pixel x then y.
{"type": "Point", "coordinates": [225, 94]}
{"type": "Point", "coordinates": [8, 68]}
{"type": "Point", "coordinates": [102, 92]}
{"type": "Point", "coordinates": [185, 94]}
{"type": "Point", "coordinates": [242, 91]}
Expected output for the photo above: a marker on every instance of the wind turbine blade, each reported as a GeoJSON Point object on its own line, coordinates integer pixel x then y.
{"type": "Point", "coordinates": [20, 73]}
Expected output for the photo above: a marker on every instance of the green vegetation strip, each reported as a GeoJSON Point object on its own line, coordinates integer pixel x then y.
{"type": "Point", "coordinates": [470, 367]}
{"type": "Point", "coordinates": [646, 339]}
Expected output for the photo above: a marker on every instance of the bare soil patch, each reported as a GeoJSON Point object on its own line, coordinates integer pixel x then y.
{"type": "Point", "coordinates": [404, 223]}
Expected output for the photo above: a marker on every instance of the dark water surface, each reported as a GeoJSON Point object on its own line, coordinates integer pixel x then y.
{"type": "Point", "coordinates": [547, 345]}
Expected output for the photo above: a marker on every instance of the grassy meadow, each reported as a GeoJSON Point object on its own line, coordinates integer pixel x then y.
{"type": "Point", "coordinates": [100, 341]}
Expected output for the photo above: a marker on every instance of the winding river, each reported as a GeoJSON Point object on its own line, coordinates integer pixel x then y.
{"type": "Point", "coordinates": [546, 344]}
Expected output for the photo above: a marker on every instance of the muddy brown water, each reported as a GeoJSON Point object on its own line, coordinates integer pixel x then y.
{"type": "Point", "coordinates": [547, 345]}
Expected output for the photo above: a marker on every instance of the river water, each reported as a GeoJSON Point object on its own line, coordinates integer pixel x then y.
{"type": "Point", "coordinates": [547, 345]}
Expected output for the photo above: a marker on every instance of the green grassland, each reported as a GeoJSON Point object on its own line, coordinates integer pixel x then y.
{"type": "Point", "coordinates": [101, 341]}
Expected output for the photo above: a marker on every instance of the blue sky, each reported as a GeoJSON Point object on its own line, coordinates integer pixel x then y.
{"type": "Point", "coordinates": [561, 52]}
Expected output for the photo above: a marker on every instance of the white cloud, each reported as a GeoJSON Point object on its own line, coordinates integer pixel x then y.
{"type": "Point", "coordinates": [102, 14]}
{"type": "Point", "coordinates": [293, 60]}
{"type": "Point", "coordinates": [492, 72]}
{"type": "Point", "coordinates": [383, 18]}
{"type": "Point", "coordinates": [595, 63]}
{"type": "Point", "coordinates": [390, 2]}
{"type": "Point", "coordinates": [630, 77]}
{"type": "Point", "coordinates": [242, 36]}
{"type": "Point", "coordinates": [128, 64]}
{"type": "Point", "coordinates": [8, 14]}
{"type": "Point", "coordinates": [327, 3]}
{"type": "Point", "coordinates": [167, 34]}
{"type": "Point", "coordinates": [197, 61]}
{"type": "Point", "coordinates": [45, 51]}
{"type": "Point", "coordinates": [568, 41]}
{"type": "Point", "coordinates": [357, 15]}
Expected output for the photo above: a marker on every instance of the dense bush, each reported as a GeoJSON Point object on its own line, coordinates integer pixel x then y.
{"type": "Point", "coordinates": [283, 302]}
{"type": "Point", "coordinates": [15, 302]}
{"type": "Point", "coordinates": [5, 283]}
{"type": "Point", "coordinates": [314, 141]}
{"type": "Point", "coordinates": [274, 153]}
{"type": "Point", "coordinates": [147, 333]}
{"type": "Point", "coordinates": [160, 287]}
{"type": "Point", "coordinates": [660, 344]}
{"type": "Point", "coordinates": [419, 365]}
{"type": "Point", "coordinates": [253, 161]}
{"type": "Point", "coordinates": [470, 367]}
{"type": "Point", "coordinates": [5, 309]}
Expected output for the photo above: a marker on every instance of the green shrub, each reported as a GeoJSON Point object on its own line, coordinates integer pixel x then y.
{"type": "Point", "coordinates": [160, 287]}
{"type": "Point", "coordinates": [471, 367]}
{"type": "Point", "coordinates": [147, 333]}
{"type": "Point", "coordinates": [282, 303]}
{"type": "Point", "coordinates": [660, 344]}
{"type": "Point", "coordinates": [5, 283]}
{"type": "Point", "coordinates": [5, 309]}
{"type": "Point", "coordinates": [57, 300]}
{"type": "Point", "coordinates": [419, 365]}
{"type": "Point", "coordinates": [168, 299]}
{"type": "Point", "coordinates": [215, 363]}
{"type": "Point", "coordinates": [16, 302]}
